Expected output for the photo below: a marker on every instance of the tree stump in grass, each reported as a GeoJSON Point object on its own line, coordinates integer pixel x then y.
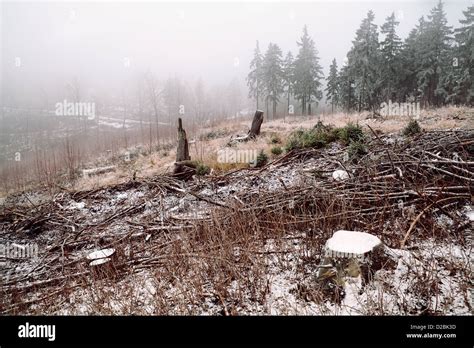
{"type": "Point", "coordinates": [353, 254]}
{"type": "Point", "coordinates": [182, 153]}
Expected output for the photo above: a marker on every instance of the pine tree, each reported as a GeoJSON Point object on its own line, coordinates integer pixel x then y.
{"type": "Point", "coordinates": [308, 73]}
{"type": "Point", "coordinates": [434, 57]}
{"type": "Point", "coordinates": [288, 72]}
{"type": "Point", "coordinates": [254, 76]}
{"type": "Point", "coordinates": [364, 64]}
{"type": "Point", "coordinates": [332, 88]}
{"type": "Point", "coordinates": [410, 62]}
{"type": "Point", "coordinates": [272, 75]}
{"type": "Point", "coordinates": [390, 49]}
{"type": "Point", "coordinates": [463, 61]}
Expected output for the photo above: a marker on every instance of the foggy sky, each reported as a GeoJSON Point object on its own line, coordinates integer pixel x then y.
{"type": "Point", "coordinates": [95, 41]}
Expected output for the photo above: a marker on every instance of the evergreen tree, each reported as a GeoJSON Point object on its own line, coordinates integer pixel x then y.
{"type": "Point", "coordinates": [288, 72]}
{"type": "Point", "coordinates": [463, 61]}
{"type": "Point", "coordinates": [434, 57]}
{"type": "Point", "coordinates": [410, 61]}
{"type": "Point", "coordinates": [254, 76]}
{"type": "Point", "coordinates": [364, 64]}
{"type": "Point", "coordinates": [272, 75]}
{"type": "Point", "coordinates": [347, 90]}
{"type": "Point", "coordinates": [308, 73]}
{"type": "Point", "coordinates": [332, 88]}
{"type": "Point", "coordinates": [390, 49]}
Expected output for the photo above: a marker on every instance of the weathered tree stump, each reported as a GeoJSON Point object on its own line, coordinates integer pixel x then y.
{"type": "Point", "coordinates": [182, 153]}
{"type": "Point", "coordinates": [253, 132]}
{"type": "Point", "coordinates": [256, 124]}
{"type": "Point", "coordinates": [353, 254]}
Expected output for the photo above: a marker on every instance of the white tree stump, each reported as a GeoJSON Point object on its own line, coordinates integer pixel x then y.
{"type": "Point", "coordinates": [101, 263]}
{"type": "Point", "coordinates": [353, 254]}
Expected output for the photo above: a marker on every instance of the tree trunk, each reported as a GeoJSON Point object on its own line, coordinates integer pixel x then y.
{"type": "Point", "coordinates": [309, 109]}
{"type": "Point", "coordinates": [266, 105]}
{"type": "Point", "coordinates": [256, 124]}
{"type": "Point", "coordinates": [274, 109]}
{"type": "Point", "coordinates": [182, 153]}
{"type": "Point", "coordinates": [150, 133]}
{"type": "Point", "coordinates": [253, 132]}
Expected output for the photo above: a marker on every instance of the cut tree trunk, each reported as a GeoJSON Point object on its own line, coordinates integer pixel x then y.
{"type": "Point", "coordinates": [101, 263]}
{"type": "Point", "coordinates": [253, 132]}
{"type": "Point", "coordinates": [256, 124]}
{"type": "Point", "coordinates": [182, 153]}
{"type": "Point", "coordinates": [353, 254]}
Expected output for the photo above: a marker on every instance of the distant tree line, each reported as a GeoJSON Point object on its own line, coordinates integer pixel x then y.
{"type": "Point", "coordinates": [433, 66]}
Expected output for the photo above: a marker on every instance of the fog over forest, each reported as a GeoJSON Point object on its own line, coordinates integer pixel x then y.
{"type": "Point", "coordinates": [104, 47]}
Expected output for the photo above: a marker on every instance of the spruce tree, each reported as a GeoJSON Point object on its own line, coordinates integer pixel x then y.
{"type": "Point", "coordinates": [364, 64]}
{"type": "Point", "coordinates": [308, 73]}
{"type": "Point", "coordinates": [390, 49]}
{"type": "Point", "coordinates": [332, 88]}
{"type": "Point", "coordinates": [272, 75]}
{"type": "Point", "coordinates": [346, 89]}
{"type": "Point", "coordinates": [254, 76]}
{"type": "Point", "coordinates": [434, 57]}
{"type": "Point", "coordinates": [463, 61]}
{"type": "Point", "coordinates": [410, 61]}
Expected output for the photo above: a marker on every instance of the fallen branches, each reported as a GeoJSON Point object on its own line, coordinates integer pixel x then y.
{"type": "Point", "coordinates": [396, 194]}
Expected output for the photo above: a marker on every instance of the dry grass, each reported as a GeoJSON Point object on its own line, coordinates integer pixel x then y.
{"type": "Point", "coordinates": [205, 150]}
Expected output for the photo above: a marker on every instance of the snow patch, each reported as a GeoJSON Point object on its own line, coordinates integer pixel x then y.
{"type": "Point", "coordinates": [99, 254]}
{"type": "Point", "coordinates": [77, 205]}
{"type": "Point", "coordinates": [99, 261]}
{"type": "Point", "coordinates": [352, 242]}
{"type": "Point", "coordinates": [340, 175]}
